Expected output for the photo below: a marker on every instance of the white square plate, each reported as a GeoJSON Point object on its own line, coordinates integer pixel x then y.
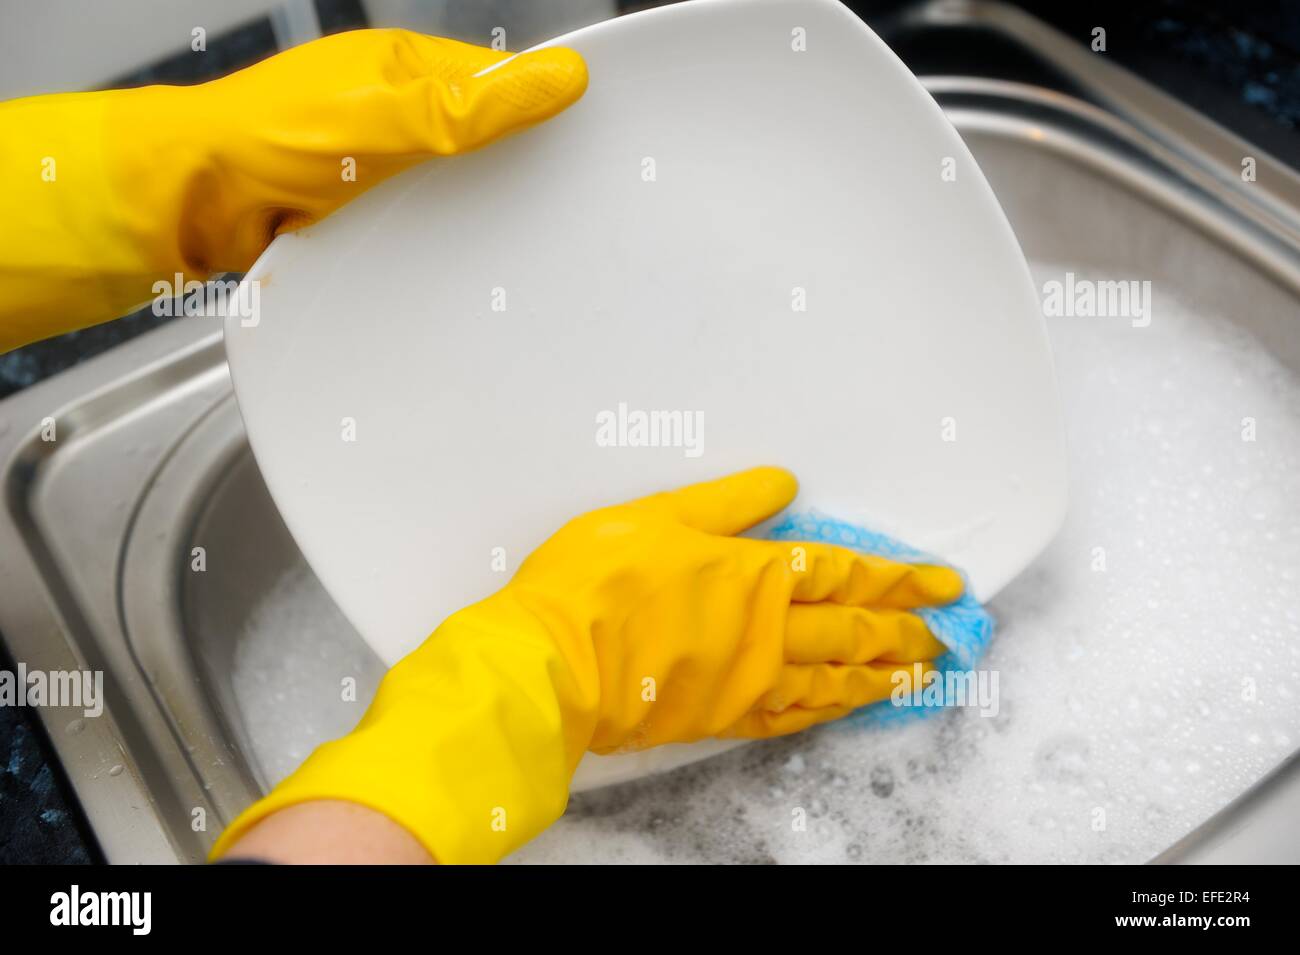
{"type": "Point", "coordinates": [746, 219]}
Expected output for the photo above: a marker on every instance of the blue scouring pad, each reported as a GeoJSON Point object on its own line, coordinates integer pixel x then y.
{"type": "Point", "coordinates": [963, 626]}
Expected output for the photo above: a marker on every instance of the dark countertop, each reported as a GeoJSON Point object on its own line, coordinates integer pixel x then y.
{"type": "Point", "coordinates": [39, 820]}
{"type": "Point", "coordinates": [1238, 63]}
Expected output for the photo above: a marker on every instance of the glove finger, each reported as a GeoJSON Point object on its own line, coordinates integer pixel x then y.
{"type": "Point", "coordinates": [826, 572]}
{"type": "Point", "coordinates": [448, 60]}
{"type": "Point", "coordinates": [819, 685]}
{"type": "Point", "coordinates": [730, 504]}
{"type": "Point", "coordinates": [510, 95]}
{"type": "Point", "coordinates": [833, 633]}
{"type": "Point", "coordinates": [764, 724]}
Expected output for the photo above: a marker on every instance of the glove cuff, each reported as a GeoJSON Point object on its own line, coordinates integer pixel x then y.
{"type": "Point", "coordinates": [467, 744]}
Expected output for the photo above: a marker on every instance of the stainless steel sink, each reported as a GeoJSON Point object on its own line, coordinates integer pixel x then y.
{"type": "Point", "coordinates": [98, 527]}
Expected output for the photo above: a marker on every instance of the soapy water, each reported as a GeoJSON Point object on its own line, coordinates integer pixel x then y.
{"type": "Point", "coordinates": [1148, 662]}
{"type": "Point", "coordinates": [294, 653]}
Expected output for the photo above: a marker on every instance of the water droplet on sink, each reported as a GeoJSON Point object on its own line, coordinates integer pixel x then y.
{"type": "Point", "coordinates": [116, 770]}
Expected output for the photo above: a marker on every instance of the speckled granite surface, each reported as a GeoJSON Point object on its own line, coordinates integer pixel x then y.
{"type": "Point", "coordinates": [39, 820]}
{"type": "Point", "coordinates": [1238, 63]}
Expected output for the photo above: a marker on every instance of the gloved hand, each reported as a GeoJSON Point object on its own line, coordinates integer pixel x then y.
{"type": "Point", "coordinates": [635, 625]}
{"type": "Point", "coordinates": [106, 193]}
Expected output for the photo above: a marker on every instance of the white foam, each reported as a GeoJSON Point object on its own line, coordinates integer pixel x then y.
{"type": "Point", "coordinates": [291, 659]}
{"type": "Point", "coordinates": [1125, 691]}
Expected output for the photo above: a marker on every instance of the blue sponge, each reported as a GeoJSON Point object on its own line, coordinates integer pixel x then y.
{"type": "Point", "coordinates": [964, 626]}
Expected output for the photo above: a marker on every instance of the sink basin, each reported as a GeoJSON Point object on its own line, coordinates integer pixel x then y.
{"type": "Point", "coordinates": [143, 542]}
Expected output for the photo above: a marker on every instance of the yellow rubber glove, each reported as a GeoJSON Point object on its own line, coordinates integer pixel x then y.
{"type": "Point", "coordinates": [106, 193]}
{"type": "Point", "coordinates": [635, 625]}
